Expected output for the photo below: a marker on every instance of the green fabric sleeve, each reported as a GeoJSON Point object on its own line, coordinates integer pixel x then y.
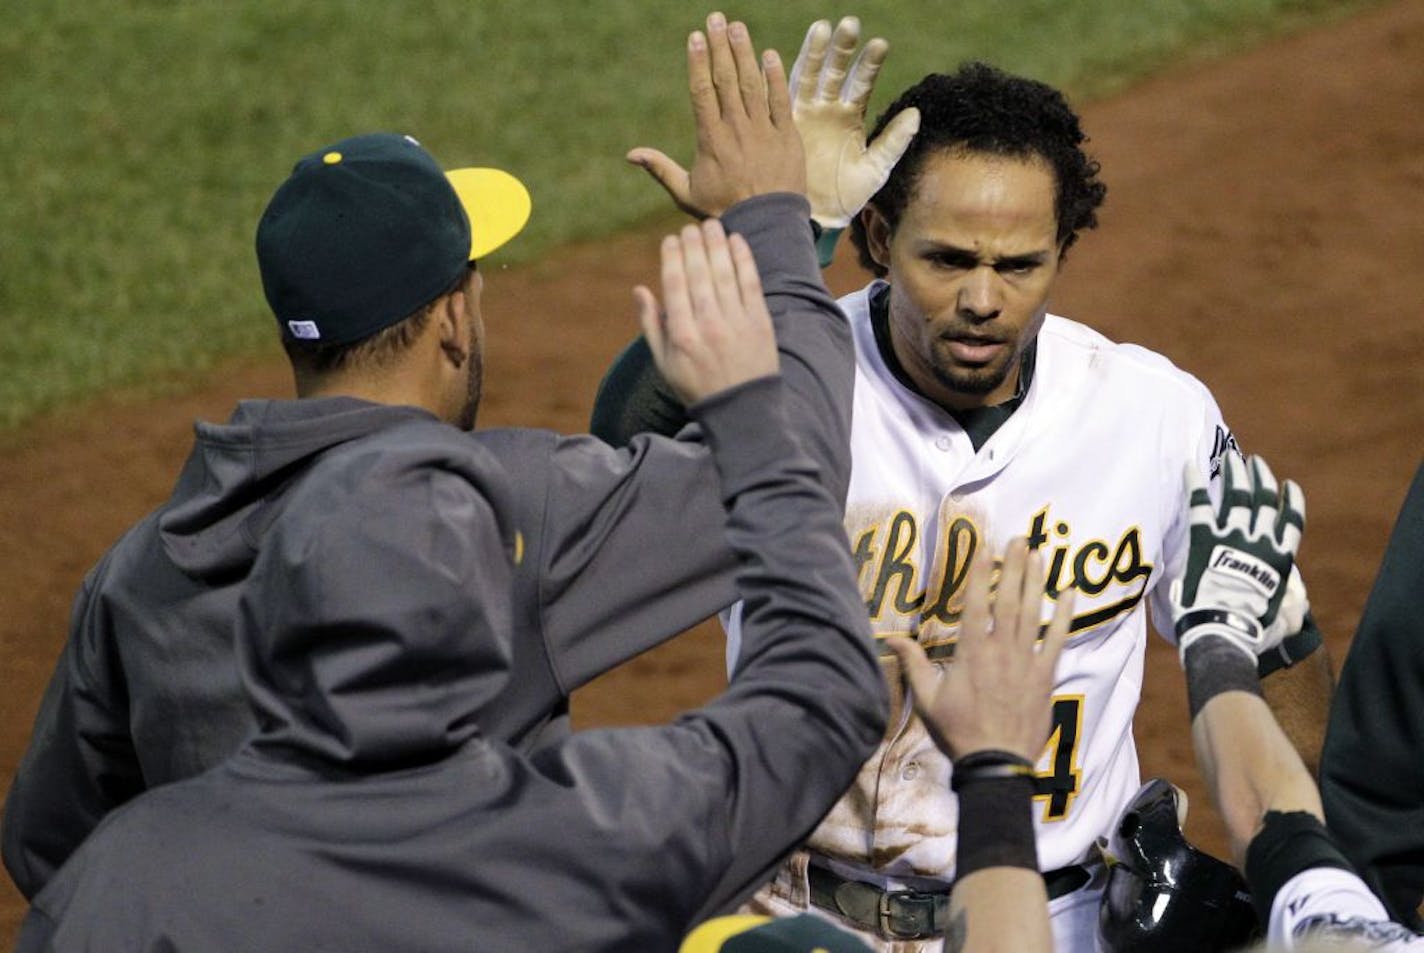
{"type": "Point", "coordinates": [633, 398]}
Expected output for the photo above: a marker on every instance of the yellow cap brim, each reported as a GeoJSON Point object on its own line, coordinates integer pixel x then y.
{"type": "Point", "coordinates": [709, 936]}
{"type": "Point", "coordinates": [497, 204]}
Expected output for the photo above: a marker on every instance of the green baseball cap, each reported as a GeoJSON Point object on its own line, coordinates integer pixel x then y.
{"type": "Point", "coordinates": [367, 230]}
{"type": "Point", "coordinates": [749, 933]}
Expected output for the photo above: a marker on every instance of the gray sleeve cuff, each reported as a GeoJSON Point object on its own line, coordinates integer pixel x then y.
{"type": "Point", "coordinates": [778, 228]}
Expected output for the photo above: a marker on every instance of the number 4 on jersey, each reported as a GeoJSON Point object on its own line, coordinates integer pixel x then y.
{"type": "Point", "coordinates": [1058, 784]}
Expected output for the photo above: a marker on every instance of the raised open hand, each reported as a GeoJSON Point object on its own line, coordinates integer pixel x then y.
{"type": "Point", "coordinates": [1241, 564]}
{"type": "Point", "coordinates": [997, 692]}
{"type": "Point", "coordinates": [832, 87]}
{"type": "Point", "coordinates": [716, 332]}
{"type": "Point", "coordinates": [746, 140]}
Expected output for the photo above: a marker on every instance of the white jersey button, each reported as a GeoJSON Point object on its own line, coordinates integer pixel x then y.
{"type": "Point", "coordinates": [943, 442]}
{"type": "Point", "coordinates": [912, 771]}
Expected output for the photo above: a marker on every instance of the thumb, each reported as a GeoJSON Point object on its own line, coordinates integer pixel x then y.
{"type": "Point", "coordinates": [649, 317]}
{"type": "Point", "coordinates": [892, 142]}
{"type": "Point", "coordinates": [667, 173]}
{"type": "Point", "coordinates": [918, 670]}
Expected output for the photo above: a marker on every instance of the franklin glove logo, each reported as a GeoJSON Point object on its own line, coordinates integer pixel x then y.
{"type": "Point", "coordinates": [1247, 568]}
{"type": "Point", "coordinates": [1241, 559]}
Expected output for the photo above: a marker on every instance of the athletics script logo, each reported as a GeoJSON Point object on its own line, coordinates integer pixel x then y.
{"type": "Point", "coordinates": [902, 595]}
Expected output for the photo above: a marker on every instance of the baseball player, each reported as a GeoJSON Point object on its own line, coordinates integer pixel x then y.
{"type": "Point", "coordinates": [146, 691]}
{"type": "Point", "coordinates": [1242, 552]}
{"type": "Point", "coordinates": [369, 812]}
{"type": "Point", "coordinates": [979, 416]}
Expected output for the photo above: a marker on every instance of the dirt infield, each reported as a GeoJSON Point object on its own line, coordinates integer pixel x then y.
{"type": "Point", "coordinates": [1264, 228]}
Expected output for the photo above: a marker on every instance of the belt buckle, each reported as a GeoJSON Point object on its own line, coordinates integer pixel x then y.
{"type": "Point", "coordinates": [923, 906]}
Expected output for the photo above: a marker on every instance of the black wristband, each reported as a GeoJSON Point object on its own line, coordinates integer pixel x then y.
{"type": "Point", "coordinates": [1288, 844]}
{"type": "Point", "coordinates": [996, 825]}
{"type": "Point", "coordinates": [1213, 666]}
{"type": "Point", "coordinates": [990, 764]}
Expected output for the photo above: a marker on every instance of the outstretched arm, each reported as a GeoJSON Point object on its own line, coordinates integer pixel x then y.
{"type": "Point", "coordinates": [718, 798]}
{"type": "Point", "coordinates": [990, 712]}
{"type": "Point", "coordinates": [1300, 880]}
{"type": "Point", "coordinates": [750, 165]}
{"type": "Point", "coordinates": [1241, 555]}
{"type": "Point", "coordinates": [1246, 759]}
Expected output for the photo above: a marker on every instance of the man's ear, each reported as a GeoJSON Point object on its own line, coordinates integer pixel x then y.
{"type": "Point", "coordinates": [877, 235]}
{"type": "Point", "coordinates": [453, 327]}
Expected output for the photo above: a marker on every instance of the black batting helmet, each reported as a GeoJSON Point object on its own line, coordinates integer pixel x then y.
{"type": "Point", "coordinates": [1163, 895]}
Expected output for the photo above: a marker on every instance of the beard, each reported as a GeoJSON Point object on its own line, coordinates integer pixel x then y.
{"type": "Point", "coordinates": [474, 384]}
{"type": "Point", "coordinates": [974, 381]}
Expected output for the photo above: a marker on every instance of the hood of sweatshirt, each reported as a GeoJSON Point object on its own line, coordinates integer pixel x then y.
{"type": "Point", "coordinates": [374, 627]}
{"type": "Point", "coordinates": [234, 482]}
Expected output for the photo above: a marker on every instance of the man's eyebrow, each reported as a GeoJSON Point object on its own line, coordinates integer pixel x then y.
{"type": "Point", "coordinates": [946, 250]}
{"type": "Point", "coordinates": [1027, 258]}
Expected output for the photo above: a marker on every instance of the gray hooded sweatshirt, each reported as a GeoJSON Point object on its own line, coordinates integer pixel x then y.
{"type": "Point", "coordinates": [622, 550]}
{"type": "Point", "coordinates": [373, 812]}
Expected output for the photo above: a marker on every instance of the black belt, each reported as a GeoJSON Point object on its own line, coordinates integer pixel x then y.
{"type": "Point", "coordinates": [909, 914]}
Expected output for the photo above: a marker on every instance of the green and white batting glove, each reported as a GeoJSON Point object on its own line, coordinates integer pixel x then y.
{"type": "Point", "coordinates": [830, 94]}
{"type": "Point", "coordinates": [1241, 559]}
{"type": "Point", "coordinates": [1290, 617]}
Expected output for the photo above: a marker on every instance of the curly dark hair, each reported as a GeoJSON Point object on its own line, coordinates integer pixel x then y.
{"type": "Point", "coordinates": [982, 109]}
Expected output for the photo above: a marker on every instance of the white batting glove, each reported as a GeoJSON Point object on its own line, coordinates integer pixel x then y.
{"type": "Point", "coordinates": [1241, 561]}
{"type": "Point", "coordinates": [842, 172]}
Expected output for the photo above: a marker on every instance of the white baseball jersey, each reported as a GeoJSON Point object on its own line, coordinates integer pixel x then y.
{"type": "Point", "coordinates": [1090, 469]}
{"type": "Point", "coordinates": [1329, 905]}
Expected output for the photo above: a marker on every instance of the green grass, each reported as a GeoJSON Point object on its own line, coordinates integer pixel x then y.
{"type": "Point", "coordinates": [139, 141]}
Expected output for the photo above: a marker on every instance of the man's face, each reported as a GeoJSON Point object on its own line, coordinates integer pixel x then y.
{"type": "Point", "coordinates": [970, 267]}
{"type": "Point", "coordinates": [475, 365]}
